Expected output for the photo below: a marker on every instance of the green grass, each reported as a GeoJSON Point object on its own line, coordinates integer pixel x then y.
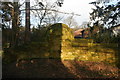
{"type": "Point", "coordinates": [83, 50]}
{"type": "Point", "coordinates": [75, 51]}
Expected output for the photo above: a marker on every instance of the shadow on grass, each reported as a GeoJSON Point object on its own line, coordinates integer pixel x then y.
{"type": "Point", "coordinates": [50, 67]}
{"type": "Point", "coordinates": [82, 71]}
{"type": "Point", "coordinates": [37, 68]}
{"type": "Point", "coordinates": [116, 48]}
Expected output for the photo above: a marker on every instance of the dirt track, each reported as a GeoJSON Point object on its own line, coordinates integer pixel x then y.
{"type": "Point", "coordinates": [52, 68]}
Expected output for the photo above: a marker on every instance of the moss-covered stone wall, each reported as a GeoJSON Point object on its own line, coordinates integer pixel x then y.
{"type": "Point", "coordinates": [60, 43]}
{"type": "Point", "coordinates": [63, 45]}
{"type": "Point", "coordinates": [59, 35]}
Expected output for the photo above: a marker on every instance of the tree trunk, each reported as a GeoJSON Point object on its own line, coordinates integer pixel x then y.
{"type": "Point", "coordinates": [27, 22]}
{"type": "Point", "coordinates": [15, 19]}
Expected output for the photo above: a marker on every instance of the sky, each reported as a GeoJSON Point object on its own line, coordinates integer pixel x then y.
{"type": "Point", "coordinates": [81, 7]}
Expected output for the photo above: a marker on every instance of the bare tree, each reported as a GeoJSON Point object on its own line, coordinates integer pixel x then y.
{"type": "Point", "coordinates": [53, 18]}
{"type": "Point", "coordinates": [84, 24]}
{"type": "Point", "coordinates": [46, 15]}
{"type": "Point", "coordinates": [70, 21]}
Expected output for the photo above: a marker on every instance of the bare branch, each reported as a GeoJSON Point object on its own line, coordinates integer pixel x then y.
{"type": "Point", "coordinates": [54, 11]}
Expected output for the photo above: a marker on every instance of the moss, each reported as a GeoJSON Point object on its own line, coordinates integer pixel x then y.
{"type": "Point", "coordinates": [58, 35]}
{"type": "Point", "coordinates": [60, 43]}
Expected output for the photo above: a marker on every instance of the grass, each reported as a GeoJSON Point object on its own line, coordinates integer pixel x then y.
{"type": "Point", "coordinates": [76, 51]}
{"type": "Point", "coordinates": [82, 50]}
